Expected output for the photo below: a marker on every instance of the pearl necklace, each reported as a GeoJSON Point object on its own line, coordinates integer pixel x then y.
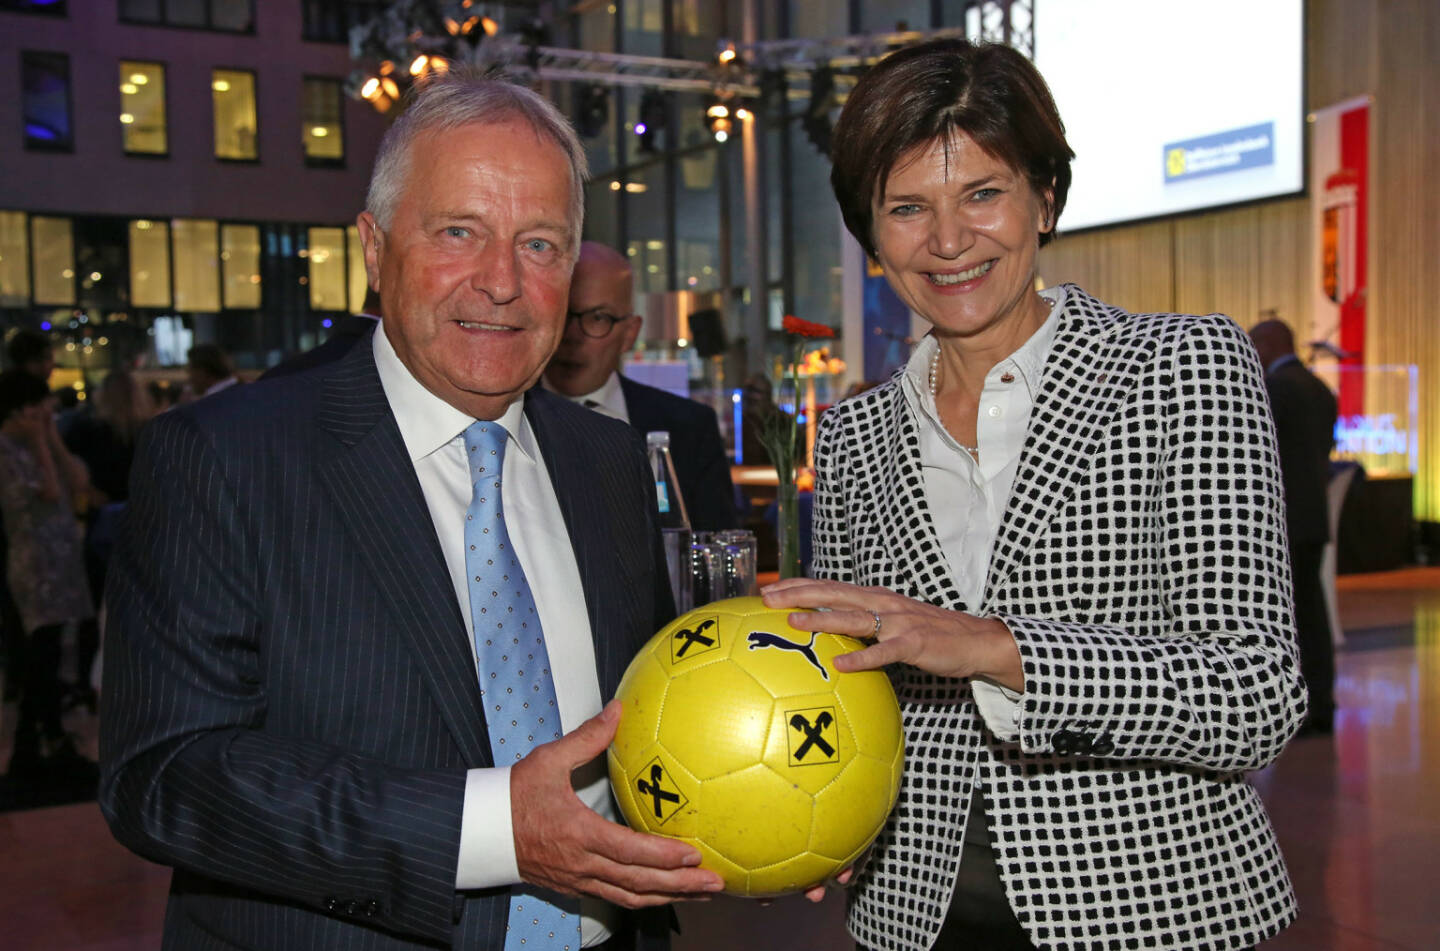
{"type": "Point", "coordinates": [974, 450]}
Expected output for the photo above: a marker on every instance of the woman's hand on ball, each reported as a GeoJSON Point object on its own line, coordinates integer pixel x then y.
{"type": "Point", "coordinates": [562, 844]}
{"type": "Point", "coordinates": [938, 640]}
{"type": "Point", "coordinates": [817, 894]}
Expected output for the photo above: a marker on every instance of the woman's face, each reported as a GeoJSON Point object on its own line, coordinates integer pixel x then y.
{"type": "Point", "coordinates": [957, 232]}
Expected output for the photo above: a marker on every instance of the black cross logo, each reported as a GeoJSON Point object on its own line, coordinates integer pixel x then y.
{"type": "Point", "coordinates": [813, 734]}
{"type": "Point", "coordinates": [654, 790]}
{"type": "Point", "coordinates": [695, 637]}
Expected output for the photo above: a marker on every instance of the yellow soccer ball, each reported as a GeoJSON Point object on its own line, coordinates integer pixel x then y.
{"type": "Point", "coordinates": [740, 737]}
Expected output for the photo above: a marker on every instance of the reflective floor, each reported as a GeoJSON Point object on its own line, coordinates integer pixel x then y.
{"type": "Point", "coordinates": [1358, 816]}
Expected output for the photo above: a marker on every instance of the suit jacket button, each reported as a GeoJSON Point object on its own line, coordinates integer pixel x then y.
{"type": "Point", "coordinates": [352, 907]}
{"type": "Point", "coordinates": [1082, 744]}
{"type": "Point", "coordinates": [1103, 745]}
{"type": "Point", "coordinates": [331, 904]}
{"type": "Point", "coordinates": [1064, 742]}
{"type": "Point", "coordinates": [372, 908]}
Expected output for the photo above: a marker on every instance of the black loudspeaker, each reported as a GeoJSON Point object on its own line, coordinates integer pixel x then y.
{"type": "Point", "coordinates": [707, 332]}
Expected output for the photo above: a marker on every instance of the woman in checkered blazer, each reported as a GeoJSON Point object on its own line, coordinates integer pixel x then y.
{"type": "Point", "coordinates": [1061, 524]}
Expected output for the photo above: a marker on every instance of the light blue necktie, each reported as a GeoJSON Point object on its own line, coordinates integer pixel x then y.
{"type": "Point", "coordinates": [515, 682]}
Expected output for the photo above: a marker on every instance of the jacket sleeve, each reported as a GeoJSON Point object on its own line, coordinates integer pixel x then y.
{"type": "Point", "coordinates": [191, 776]}
{"type": "Point", "coordinates": [1221, 689]}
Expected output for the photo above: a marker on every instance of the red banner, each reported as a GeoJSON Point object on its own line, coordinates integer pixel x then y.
{"type": "Point", "coordinates": [1339, 183]}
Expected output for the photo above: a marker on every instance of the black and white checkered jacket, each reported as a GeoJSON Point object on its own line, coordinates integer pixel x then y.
{"type": "Point", "coordinates": [1142, 567]}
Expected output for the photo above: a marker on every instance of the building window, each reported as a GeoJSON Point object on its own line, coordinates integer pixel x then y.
{"type": "Point", "coordinates": [320, 115]}
{"type": "Point", "coordinates": [54, 256]}
{"type": "Point", "coordinates": [240, 266]}
{"type": "Point", "coordinates": [230, 16]}
{"type": "Point", "coordinates": [195, 252]}
{"type": "Point", "coordinates": [330, 21]}
{"type": "Point", "coordinates": [235, 123]}
{"type": "Point", "coordinates": [54, 8]}
{"type": "Point", "coordinates": [149, 263]}
{"type": "Point", "coordinates": [326, 255]}
{"type": "Point", "coordinates": [142, 108]}
{"type": "Point", "coordinates": [14, 260]}
{"type": "Point", "coordinates": [359, 281]}
{"type": "Point", "coordinates": [45, 101]}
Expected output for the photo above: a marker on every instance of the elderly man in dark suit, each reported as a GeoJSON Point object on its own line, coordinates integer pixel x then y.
{"type": "Point", "coordinates": [364, 617]}
{"type": "Point", "coordinates": [586, 368]}
{"type": "Point", "coordinates": [1304, 411]}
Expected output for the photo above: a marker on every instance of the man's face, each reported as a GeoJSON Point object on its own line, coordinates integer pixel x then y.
{"type": "Point", "coordinates": [583, 363]}
{"type": "Point", "coordinates": [474, 265]}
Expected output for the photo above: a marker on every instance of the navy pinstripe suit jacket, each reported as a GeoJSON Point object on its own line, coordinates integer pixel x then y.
{"type": "Point", "coordinates": [290, 700]}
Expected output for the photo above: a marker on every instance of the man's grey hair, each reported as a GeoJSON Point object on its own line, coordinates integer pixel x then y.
{"type": "Point", "coordinates": [463, 97]}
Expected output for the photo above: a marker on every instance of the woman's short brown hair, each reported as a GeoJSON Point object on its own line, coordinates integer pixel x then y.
{"type": "Point", "coordinates": [931, 91]}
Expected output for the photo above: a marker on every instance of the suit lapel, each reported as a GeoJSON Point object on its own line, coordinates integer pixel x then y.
{"type": "Point", "coordinates": [641, 412]}
{"type": "Point", "coordinates": [580, 501]}
{"type": "Point", "coordinates": [374, 484]}
{"type": "Point", "coordinates": [905, 515]}
{"type": "Point", "coordinates": [1084, 380]}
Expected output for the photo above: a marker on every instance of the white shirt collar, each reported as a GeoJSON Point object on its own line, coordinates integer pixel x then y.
{"type": "Point", "coordinates": [1028, 361]}
{"type": "Point", "coordinates": [610, 396]}
{"type": "Point", "coordinates": [428, 423]}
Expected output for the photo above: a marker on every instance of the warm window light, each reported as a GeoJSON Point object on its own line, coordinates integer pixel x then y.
{"type": "Point", "coordinates": [721, 135]}
{"type": "Point", "coordinates": [126, 118]}
{"type": "Point", "coordinates": [614, 186]}
{"type": "Point", "coordinates": [439, 64]}
{"type": "Point", "coordinates": [387, 67]}
{"type": "Point", "coordinates": [371, 89]}
{"type": "Point", "coordinates": [221, 85]}
{"type": "Point", "coordinates": [391, 88]}
{"type": "Point", "coordinates": [718, 110]}
{"type": "Point", "coordinates": [319, 132]}
{"type": "Point", "coordinates": [636, 188]}
{"type": "Point", "coordinates": [654, 245]}
{"type": "Point", "coordinates": [682, 342]}
{"type": "Point", "coordinates": [451, 26]}
{"type": "Point", "coordinates": [129, 89]}
{"type": "Point", "coordinates": [489, 26]}
{"type": "Point", "coordinates": [139, 79]}
{"type": "Point", "coordinates": [418, 66]}
{"type": "Point", "coordinates": [744, 114]}
{"type": "Point", "coordinates": [143, 225]}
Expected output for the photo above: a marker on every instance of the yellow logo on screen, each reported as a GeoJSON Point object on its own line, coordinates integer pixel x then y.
{"type": "Point", "coordinates": [1175, 163]}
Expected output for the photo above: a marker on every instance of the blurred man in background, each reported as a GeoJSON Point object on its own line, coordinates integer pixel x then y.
{"type": "Point", "coordinates": [1304, 410]}
{"type": "Point", "coordinates": [600, 330]}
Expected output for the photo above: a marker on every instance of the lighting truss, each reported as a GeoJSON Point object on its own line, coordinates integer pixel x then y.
{"type": "Point", "coordinates": [794, 60]}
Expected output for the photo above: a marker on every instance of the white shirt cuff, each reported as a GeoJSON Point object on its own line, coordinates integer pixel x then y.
{"type": "Point", "coordinates": [487, 839]}
{"type": "Point", "coordinates": [1000, 706]}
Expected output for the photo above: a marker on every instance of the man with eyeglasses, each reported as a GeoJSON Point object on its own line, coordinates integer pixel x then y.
{"type": "Point", "coordinates": [586, 368]}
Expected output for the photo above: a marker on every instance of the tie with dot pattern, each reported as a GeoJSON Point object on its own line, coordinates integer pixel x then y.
{"type": "Point", "coordinates": [514, 667]}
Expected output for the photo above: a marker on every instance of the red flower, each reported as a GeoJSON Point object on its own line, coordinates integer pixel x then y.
{"type": "Point", "coordinates": [805, 328]}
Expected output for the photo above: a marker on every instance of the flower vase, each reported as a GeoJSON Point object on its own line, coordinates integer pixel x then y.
{"type": "Point", "coordinates": [787, 529]}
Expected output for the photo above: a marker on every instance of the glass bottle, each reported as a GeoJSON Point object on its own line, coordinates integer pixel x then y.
{"type": "Point", "coordinates": [674, 519]}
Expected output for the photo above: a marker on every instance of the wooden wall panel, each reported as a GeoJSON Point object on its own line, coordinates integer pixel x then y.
{"type": "Point", "coordinates": [1129, 267]}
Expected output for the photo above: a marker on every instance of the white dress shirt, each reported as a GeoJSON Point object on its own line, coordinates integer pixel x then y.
{"type": "Point", "coordinates": [433, 432]}
{"type": "Point", "coordinates": [609, 399]}
{"type": "Point", "coordinates": [967, 498]}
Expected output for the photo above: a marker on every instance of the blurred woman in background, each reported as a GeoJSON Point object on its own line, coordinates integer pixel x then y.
{"type": "Point", "coordinates": [39, 482]}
